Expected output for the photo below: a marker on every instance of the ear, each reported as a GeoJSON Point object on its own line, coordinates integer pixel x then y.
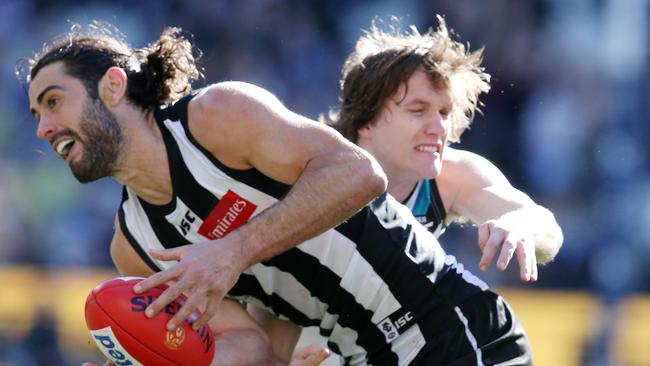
{"type": "Point", "coordinates": [365, 132]}
{"type": "Point", "coordinates": [112, 86]}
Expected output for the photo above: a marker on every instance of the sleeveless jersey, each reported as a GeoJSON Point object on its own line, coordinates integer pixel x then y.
{"type": "Point", "coordinates": [427, 207]}
{"type": "Point", "coordinates": [378, 286]}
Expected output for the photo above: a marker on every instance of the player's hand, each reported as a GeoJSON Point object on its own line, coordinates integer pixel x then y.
{"type": "Point", "coordinates": [508, 235]}
{"type": "Point", "coordinates": [311, 355]}
{"type": "Point", "coordinates": [206, 271]}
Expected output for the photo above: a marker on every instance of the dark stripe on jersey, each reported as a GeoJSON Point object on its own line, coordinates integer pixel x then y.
{"type": "Point", "coordinates": [324, 284]}
{"type": "Point", "coordinates": [382, 217]}
{"type": "Point", "coordinates": [437, 207]}
{"type": "Point", "coordinates": [248, 285]}
{"type": "Point", "coordinates": [127, 234]}
{"type": "Point", "coordinates": [251, 177]}
{"type": "Point", "coordinates": [166, 233]}
{"type": "Point", "coordinates": [430, 303]}
{"type": "Point", "coordinates": [194, 195]}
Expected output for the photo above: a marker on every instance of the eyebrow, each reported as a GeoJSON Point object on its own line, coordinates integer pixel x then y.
{"type": "Point", "coordinates": [414, 102]}
{"type": "Point", "coordinates": [39, 98]}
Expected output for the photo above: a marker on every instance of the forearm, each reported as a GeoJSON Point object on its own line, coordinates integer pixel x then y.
{"type": "Point", "coordinates": [243, 347]}
{"type": "Point", "coordinates": [331, 188]}
{"type": "Point", "coordinates": [282, 334]}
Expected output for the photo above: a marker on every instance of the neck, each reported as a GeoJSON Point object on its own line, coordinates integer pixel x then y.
{"type": "Point", "coordinates": [400, 188]}
{"type": "Point", "coordinates": [143, 166]}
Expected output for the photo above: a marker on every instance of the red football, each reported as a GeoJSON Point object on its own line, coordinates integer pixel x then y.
{"type": "Point", "coordinates": [117, 324]}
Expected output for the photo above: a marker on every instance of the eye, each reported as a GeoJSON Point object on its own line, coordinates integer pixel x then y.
{"type": "Point", "coordinates": [416, 110]}
{"type": "Point", "coordinates": [52, 102]}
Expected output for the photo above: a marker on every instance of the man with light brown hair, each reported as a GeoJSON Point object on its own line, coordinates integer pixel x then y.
{"type": "Point", "coordinates": [405, 96]}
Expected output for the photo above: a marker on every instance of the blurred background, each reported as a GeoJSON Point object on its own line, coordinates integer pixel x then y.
{"type": "Point", "coordinates": [566, 121]}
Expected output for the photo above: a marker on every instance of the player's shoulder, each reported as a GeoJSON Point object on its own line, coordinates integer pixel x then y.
{"type": "Point", "coordinates": [459, 158]}
{"type": "Point", "coordinates": [229, 94]}
{"type": "Point", "coordinates": [463, 165]}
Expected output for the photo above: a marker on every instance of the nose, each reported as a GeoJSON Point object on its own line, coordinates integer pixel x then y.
{"type": "Point", "coordinates": [436, 124]}
{"type": "Point", "coordinates": [45, 129]}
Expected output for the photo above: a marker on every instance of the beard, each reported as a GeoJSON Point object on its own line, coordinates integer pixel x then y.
{"type": "Point", "coordinates": [102, 141]}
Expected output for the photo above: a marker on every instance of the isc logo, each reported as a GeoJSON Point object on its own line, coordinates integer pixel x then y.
{"type": "Point", "coordinates": [111, 348]}
{"type": "Point", "coordinates": [393, 328]}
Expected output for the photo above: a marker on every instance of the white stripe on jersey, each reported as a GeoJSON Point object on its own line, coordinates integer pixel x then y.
{"type": "Point", "coordinates": [408, 344]}
{"type": "Point", "coordinates": [209, 176]}
{"type": "Point", "coordinates": [468, 276]}
{"type": "Point", "coordinates": [140, 228]}
{"type": "Point", "coordinates": [470, 337]}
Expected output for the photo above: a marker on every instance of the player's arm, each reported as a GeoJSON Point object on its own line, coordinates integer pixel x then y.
{"type": "Point", "coordinates": [246, 127]}
{"type": "Point", "coordinates": [239, 340]}
{"type": "Point", "coordinates": [508, 219]}
{"type": "Point", "coordinates": [284, 336]}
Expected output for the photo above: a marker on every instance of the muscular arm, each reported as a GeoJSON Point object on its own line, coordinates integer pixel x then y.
{"type": "Point", "coordinates": [247, 127]}
{"type": "Point", "coordinates": [238, 338]}
{"type": "Point", "coordinates": [475, 189]}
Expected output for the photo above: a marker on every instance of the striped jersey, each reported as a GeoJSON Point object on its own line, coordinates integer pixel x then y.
{"type": "Point", "coordinates": [378, 286]}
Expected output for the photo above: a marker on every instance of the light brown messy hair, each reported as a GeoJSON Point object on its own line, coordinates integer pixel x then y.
{"type": "Point", "coordinates": [384, 60]}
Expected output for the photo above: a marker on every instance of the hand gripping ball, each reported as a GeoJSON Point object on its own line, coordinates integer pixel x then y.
{"type": "Point", "coordinates": [117, 324]}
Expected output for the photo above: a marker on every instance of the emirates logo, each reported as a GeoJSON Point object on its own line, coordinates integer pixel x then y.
{"type": "Point", "coordinates": [231, 212]}
{"type": "Point", "coordinates": [174, 339]}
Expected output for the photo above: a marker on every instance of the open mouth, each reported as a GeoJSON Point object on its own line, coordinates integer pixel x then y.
{"type": "Point", "coordinates": [64, 146]}
{"type": "Point", "coordinates": [427, 148]}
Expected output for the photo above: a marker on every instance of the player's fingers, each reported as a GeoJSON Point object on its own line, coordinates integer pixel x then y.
{"type": "Point", "coordinates": [166, 297]}
{"type": "Point", "coordinates": [491, 247]}
{"type": "Point", "coordinates": [187, 310]}
{"type": "Point", "coordinates": [210, 309]}
{"type": "Point", "coordinates": [158, 278]}
{"type": "Point", "coordinates": [483, 234]}
{"type": "Point", "coordinates": [315, 360]}
{"type": "Point", "coordinates": [312, 349]}
{"type": "Point", "coordinates": [311, 355]}
{"type": "Point", "coordinates": [533, 265]}
{"type": "Point", "coordinates": [525, 268]}
{"type": "Point", "coordinates": [172, 254]}
{"type": "Point", "coordinates": [533, 276]}
{"type": "Point", "coordinates": [507, 250]}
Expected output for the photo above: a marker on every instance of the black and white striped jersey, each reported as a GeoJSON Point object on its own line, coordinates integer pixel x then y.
{"type": "Point", "coordinates": [378, 286]}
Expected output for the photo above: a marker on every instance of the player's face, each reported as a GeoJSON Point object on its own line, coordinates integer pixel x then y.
{"type": "Point", "coordinates": [82, 131]}
{"type": "Point", "coordinates": [411, 132]}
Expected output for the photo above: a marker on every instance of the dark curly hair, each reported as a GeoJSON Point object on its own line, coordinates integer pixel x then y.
{"type": "Point", "coordinates": [158, 74]}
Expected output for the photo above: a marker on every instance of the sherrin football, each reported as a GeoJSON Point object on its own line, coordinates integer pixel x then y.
{"type": "Point", "coordinates": [117, 324]}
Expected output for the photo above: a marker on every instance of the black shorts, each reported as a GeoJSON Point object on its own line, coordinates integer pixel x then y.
{"type": "Point", "coordinates": [483, 330]}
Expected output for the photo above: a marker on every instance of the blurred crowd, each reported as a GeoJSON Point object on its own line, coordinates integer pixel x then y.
{"type": "Point", "coordinates": [564, 119]}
